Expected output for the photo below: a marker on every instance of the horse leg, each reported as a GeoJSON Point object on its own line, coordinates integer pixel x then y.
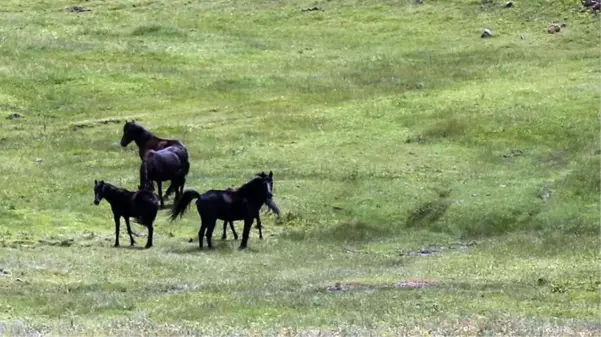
{"type": "Point", "coordinates": [180, 189]}
{"type": "Point", "coordinates": [233, 230]}
{"type": "Point", "coordinates": [209, 233]}
{"type": "Point", "coordinates": [131, 238]}
{"type": "Point", "coordinates": [171, 188]}
{"type": "Point", "coordinates": [150, 232]}
{"type": "Point", "coordinates": [117, 225]}
{"type": "Point", "coordinates": [247, 225]}
{"type": "Point", "coordinates": [201, 232]}
{"type": "Point", "coordinates": [160, 185]}
{"type": "Point", "coordinates": [259, 226]}
{"type": "Point", "coordinates": [224, 236]}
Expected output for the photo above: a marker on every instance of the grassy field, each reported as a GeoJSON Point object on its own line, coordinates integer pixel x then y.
{"type": "Point", "coordinates": [390, 127]}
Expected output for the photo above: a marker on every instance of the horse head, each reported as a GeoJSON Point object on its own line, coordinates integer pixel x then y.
{"type": "Point", "coordinates": [98, 191]}
{"type": "Point", "coordinates": [131, 132]}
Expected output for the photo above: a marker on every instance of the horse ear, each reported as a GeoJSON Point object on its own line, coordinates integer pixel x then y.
{"type": "Point", "coordinates": [270, 174]}
{"type": "Point", "coordinates": [95, 182]}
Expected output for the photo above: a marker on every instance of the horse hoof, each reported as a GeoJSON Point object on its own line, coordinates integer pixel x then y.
{"type": "Point", "coordinates": [241, 247]}
{"type": "Point", "coordinates": [116, 245]}
{"type": "Point", "coordinates": [147, 246]}
{"type": "Point", "coordinates": [223, 238]}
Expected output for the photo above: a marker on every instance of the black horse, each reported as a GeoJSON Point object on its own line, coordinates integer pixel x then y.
{"type": "Point", "coordinates": [162, 165]}
{"type": "Point", "coordinates": [146, 141]}
{"type": "Point", "coordinates": [241, 204]}
{"type": "Point", "coordinates": [142, 205]}
{"type": "Point", "coordinates": [270, 204]}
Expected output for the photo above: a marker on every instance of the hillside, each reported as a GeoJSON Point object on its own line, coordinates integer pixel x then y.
{"type": "Point", "coordinates": [390, 127]}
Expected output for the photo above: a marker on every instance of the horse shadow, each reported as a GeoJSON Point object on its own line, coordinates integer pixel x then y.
{"type": "Point", "coordinates": [222, 248]}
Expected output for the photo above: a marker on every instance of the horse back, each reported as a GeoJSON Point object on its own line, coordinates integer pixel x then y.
{"type": "Point", "coordinates": [224, 205]}
{"type": "Point", "coordinates": [144, 201]}
{"type": "Point", "coordinates": [158, 144]}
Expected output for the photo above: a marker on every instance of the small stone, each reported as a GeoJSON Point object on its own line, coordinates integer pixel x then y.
{"type": "Point", "coordinates": [473, 194]}
{"type": "Point", "coordinates": [544, 193]}
{"type": "Point", "coordinates": [508, 4]}
{"type": "Point", "coordinates": [486, 33]}
{"type": "Point", "coordinates": [14, 116]}
{"type": "Point", "coordinates": [522, 37]}
{"type": "Point", "coordinates": [503, 185]}
{"type": "Point", "coordinates": [38, 160]}
{"type": "Point", "coordinates": [554, 28]}
{"type": "Point", "coordinates": [419, 2]}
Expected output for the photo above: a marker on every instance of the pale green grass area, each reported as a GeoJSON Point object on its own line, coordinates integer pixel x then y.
{"type": "Point", "coordinates": [389, 127]}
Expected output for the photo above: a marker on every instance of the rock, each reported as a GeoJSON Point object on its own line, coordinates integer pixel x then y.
{"type": "Point", "coordinates": [554, 28]}
{"type": "Point", "coordinates": [522, 37]}
{"type": "Point", "coordinates": [311, 9]}
{"type": "Point", "coordinates": [14, 116]}
{"type": "Point", "coordinates": [544, 193]}
{"type": "Point", "coordinates": [38, 160]}
{"type": "Point", "coordinates": [486, 33]}
{"type": "Point", "coordinates": [77, 9]}
{"type": "Point", "coordinates": [419, 2]}
{"type": "Point", "coordinates": [508, 4]}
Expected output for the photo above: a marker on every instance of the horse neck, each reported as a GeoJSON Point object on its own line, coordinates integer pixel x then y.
{"type": "Point", "coordinates": [248, 191]}
{"type": "Point", "coordinates": [144, 137]}
{"type": "Point", "coordinates": [113, 194]}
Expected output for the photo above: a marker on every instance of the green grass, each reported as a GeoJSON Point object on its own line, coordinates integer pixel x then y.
{"type": "Point", "coordinates": [389, 127]}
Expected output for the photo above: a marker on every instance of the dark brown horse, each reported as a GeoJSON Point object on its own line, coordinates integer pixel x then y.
{"type": "Point", "coordinates": [242, 204]}
{"type": "Point", "coordinates": [146, 141]}
{"type": "Point", "coordinates": [142, 205]}
{"type": "Point", "coordinates": [269, 203]}
{"type": "Point", "coordinates": [163, 165]}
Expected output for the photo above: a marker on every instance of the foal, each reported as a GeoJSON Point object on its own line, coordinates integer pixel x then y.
{"type": "Point", "coordinates": [146, 141]}
{"type": "Point", "coordinates": [242, 204]}
{"type": "Point", "coordinates": [142, 205]}
{"type": "Point", "coordinates": [270, 204]}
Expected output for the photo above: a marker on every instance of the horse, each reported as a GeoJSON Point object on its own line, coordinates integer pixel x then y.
{"type": "Point", "coordinates": [242, 204]}
{"type": "Point", "coordinates": [270, 204]}
{"type": "Point", "coordinates": [162, 165]}
{"type": "Point", "coordinates": [146, 141]}
{"type": "Point", "coordinates": [142, 205]}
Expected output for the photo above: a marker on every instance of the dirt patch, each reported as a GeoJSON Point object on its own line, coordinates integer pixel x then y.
{"type": "Point", "coordinates": [338, 286]}
{"type": "Point", "coordinates": [14, 116]}
{"type": "Point", "coordinates": [77, 9]}
{"type": "Point", "coordinates": [84, 125]}
{"type": "Point", "coordinates": [414, 284]}
{"type": "Point", "coordinates": [436, 250]}
{"type": "Point", "coordinates": [358, 286]}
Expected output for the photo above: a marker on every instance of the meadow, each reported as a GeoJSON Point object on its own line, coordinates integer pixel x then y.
{"type": "Point", "coordinates": [405, 148]}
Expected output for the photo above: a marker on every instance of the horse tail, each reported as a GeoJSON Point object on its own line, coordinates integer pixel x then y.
{"type": "Point", "coordinates": [180, 206]}
{"type": "Point", "coordinates": [272, 206]}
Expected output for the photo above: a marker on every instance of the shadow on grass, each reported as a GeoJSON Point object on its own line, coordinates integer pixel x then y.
{"type": "Point", "coordinates": [228, 247]}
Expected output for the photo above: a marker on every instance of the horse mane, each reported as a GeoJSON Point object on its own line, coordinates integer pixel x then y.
{"type": "Point", "coordinates": [135, 126]}
{"type": "Point", "coordinates": [113, 188]}
{"type": "Point", "coordinates": [244, 189]}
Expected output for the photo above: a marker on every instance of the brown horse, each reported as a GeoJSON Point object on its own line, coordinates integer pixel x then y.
{"type": "Point", "coordinates": [164, 165]}
{"type": "Point", "coordinates": [146, 141]}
